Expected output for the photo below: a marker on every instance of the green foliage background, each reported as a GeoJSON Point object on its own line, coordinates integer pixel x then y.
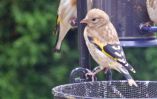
{"type": "Point", "coordinates": [29, 68]}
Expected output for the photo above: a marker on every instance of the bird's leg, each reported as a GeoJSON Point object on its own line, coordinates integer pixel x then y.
{"type": "Point", "coordinates": [90, 73]}
{"type": "Point", "coordinates": [94, 72]}
{"type": "Point", "coordinates": [108, 73]}
{"type": "Point", "coordinates": [106, 70]}
{"type": "Point", "coordinates": [126, 74]}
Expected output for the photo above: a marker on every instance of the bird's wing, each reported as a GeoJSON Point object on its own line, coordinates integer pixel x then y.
{"type": "Point", "coordinates": [60, 15]}
{"type": "Point", "coordinates": [113, 51]}
{"type": "Point", "coordinates": [57, 27]}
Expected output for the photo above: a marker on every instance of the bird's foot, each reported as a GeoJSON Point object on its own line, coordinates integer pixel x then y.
{"type": "Point", "coordinates": [73, 22]}
{"type": "Point", "coordinates": [132, 82]}
{"type": "Point", "coordinates": [56, 50]}
{"type": "Point", "coordinates": [90, 73]}
{"type": "Point", "coordinates": [147, 24]}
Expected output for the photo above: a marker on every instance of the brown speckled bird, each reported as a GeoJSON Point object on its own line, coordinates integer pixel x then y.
{"type": "Point", "coordinates": [66, 20]}
{"type": "Point", "coordinates": [152, 10]}
{"type": "Point", "coordinates": [103, 44]}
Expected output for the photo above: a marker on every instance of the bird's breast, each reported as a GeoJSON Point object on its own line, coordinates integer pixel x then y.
{"type": "Point", "coordinates": [98, 55]}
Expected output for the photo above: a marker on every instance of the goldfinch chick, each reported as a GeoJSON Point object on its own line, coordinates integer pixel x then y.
{"type": "Point", "coordinates": [103, 44]}
{"type": "Point", "coordinates": [66, 20]}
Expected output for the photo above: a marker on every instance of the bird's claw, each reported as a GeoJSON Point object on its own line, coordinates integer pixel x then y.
{"type": "Point", "coordinates": [90, 73]}
{"type": "Point", "coordinates": [73, 22]}
{"type": "Point", "coordinates": [147, 24]}
{"type": "Point", "coordinates": [56, 50]}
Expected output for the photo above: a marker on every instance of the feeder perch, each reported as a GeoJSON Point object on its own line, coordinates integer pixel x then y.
{"type": "Point", "coordinates": [106, 89]}
{"type": "Point", "coordinates": [148, 29]}
{"type": "Point", "coordinates": [128, 17]}
{"type": "Point", "coordinates": [78, 75]}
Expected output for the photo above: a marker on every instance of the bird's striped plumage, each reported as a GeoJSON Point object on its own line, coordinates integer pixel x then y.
{"type": "Point", "coordinates": [103, 44]}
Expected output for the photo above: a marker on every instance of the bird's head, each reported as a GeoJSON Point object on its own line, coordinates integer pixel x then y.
{"type": "Point", "coordinates": [96, 18]}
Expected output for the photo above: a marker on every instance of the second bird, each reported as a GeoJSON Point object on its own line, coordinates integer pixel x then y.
{"type": "Point", "coordinates": [66, 20]}
{"type": "Point", "coordinates": [103, 44]}
{"type": "Point", "coordinates": [152, 10]}
{"type": "Point", "coordinates": [67, 13]}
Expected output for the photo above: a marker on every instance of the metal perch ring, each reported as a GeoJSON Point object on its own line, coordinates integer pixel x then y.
{"type": "Point", "coordinates": [106, 89]}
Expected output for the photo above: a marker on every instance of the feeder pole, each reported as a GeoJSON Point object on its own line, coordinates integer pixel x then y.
{"type": "Point", "coordinates": [84, 60]}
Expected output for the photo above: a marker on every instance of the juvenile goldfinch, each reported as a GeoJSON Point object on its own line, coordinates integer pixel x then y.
{"type": "Point", "coordinates": [66, 19]}
{"type": "Point", "coordinates": [103, 44]}
{"type": "Point", "coordinates": [152, 10]}
{"type": "Point", "coordinates": [67, 13]}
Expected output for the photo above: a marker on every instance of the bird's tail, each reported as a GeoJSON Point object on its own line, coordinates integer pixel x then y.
{"type": "Point", "coordinates": [126, 74]}
{"type": "Point", "coordinates": [61, 30]}
{"type": "Point", "coordinates": [132, 82]}
{"type": "Point", "coordinates": [127, 65]}
{"type": "Point", "coordinates": [130, 68]}
{"type": "Point", "coordinates": [56, 32]}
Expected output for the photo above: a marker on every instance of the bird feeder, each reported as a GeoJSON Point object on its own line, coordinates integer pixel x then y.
{"type": "Point", "coordinates": [128, 17]}
{"type": "Point", "coordinates": [105, 89]}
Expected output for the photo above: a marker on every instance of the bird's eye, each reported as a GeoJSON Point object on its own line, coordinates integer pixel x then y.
{"type": "Point", "coordinates": [94, 19]}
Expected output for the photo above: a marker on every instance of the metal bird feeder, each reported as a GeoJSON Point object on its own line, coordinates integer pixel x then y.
{"type": "Point", "coordinates": [128, 17]}
{"type": "Point", "coordinates": [106, 89]}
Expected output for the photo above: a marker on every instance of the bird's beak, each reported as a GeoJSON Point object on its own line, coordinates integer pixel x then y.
{"type": "Point", "coordinates": [84, 21]}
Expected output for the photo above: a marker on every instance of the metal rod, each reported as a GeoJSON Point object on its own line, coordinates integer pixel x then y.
{"type": "Point", "coordinates": [84, 54]}
{"type": "Point", "coordinates": [148, 29]}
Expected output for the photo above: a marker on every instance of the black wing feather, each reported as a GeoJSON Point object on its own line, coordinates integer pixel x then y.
{"type": "Point", "coordinates": [108, 48]}
{"type": "Point", "coordinates": [116, 51]}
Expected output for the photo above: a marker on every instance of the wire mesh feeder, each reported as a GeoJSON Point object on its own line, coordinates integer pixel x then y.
{"type": "Point", "coordinates": [106, 89]}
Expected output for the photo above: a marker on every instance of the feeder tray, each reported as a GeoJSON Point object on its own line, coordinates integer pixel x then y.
{"type": "Point", "coordinates": [106, 89]}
